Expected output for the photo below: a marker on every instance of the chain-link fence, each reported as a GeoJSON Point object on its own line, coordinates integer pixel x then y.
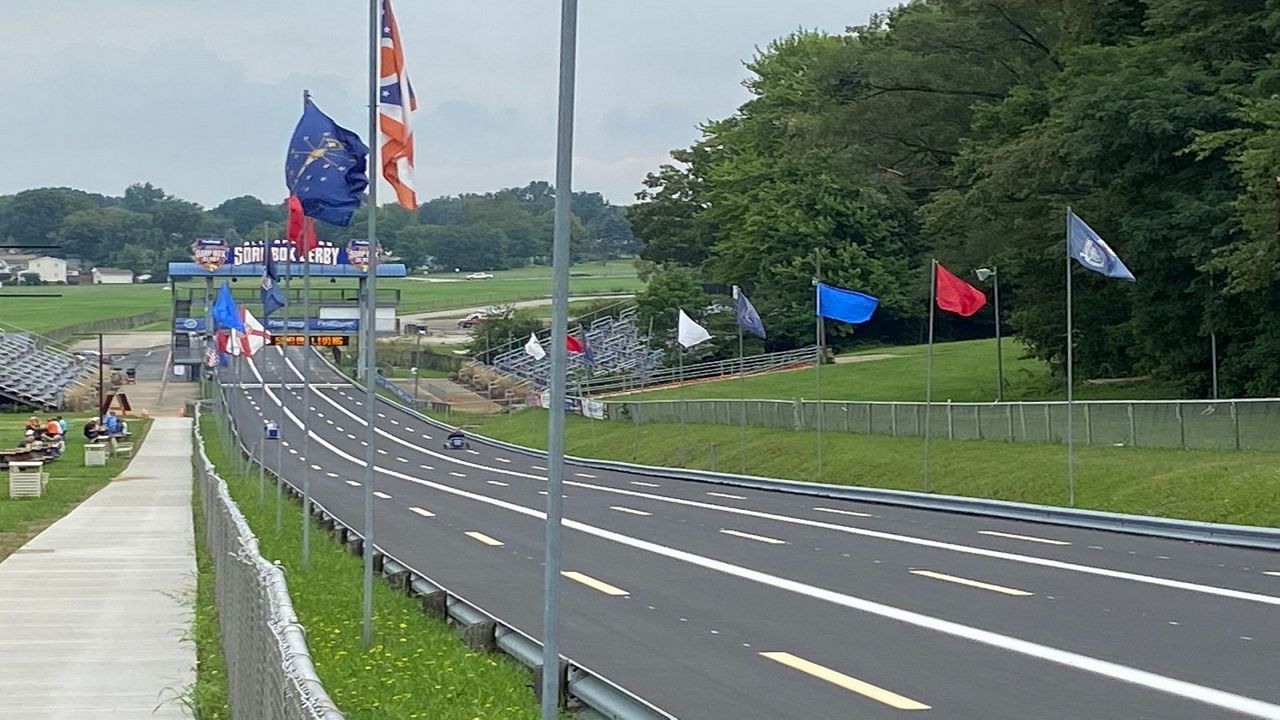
{"type": "Point", "coordinates": [269, 671]}
{"type": "Point", "coordinates": [1199, 424]}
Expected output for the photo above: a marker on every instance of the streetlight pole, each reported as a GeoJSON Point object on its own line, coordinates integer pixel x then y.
{"type": "Point", "coordinates": [993, 273]}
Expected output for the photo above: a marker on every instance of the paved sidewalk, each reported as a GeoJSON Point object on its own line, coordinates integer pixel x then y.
{"type": "Point", "coordinates": [95, 611]}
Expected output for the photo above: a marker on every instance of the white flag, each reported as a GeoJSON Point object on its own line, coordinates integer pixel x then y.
{"type": "Point", "coordinates": [254, 338]}
{"type": "Point", "coordinates": [690, 333]}
{"type": "Point", "coordinates": [534, 348]}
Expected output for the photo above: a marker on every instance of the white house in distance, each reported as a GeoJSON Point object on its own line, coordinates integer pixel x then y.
{"type": "Point", "coordinates": [51, 270]}
{"type": "Point", "coordinates": [112, 276]}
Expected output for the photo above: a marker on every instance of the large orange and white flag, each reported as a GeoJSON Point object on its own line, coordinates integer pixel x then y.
{"type": "Point", "coordinates": [254, 338]}
{"type": "Point", "coordinates": [395, 102]}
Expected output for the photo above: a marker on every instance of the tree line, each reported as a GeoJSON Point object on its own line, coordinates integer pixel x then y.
{"type": "Point", "coordinates": [146, 228]}
{"type": "Point", "coordinates": [962, 130]}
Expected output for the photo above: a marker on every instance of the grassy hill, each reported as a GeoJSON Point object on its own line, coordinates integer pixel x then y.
{"type": "Point", "coordinates": [962, 372]}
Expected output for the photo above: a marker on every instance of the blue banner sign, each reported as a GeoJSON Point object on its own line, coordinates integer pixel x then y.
{"type": "Point", "coordinates": [212, 253]}
{"type": "Point", "coordinates": [196, 325]}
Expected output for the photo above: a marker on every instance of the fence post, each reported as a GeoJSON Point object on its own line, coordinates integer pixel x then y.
{"type": "Point", "coordinates": [1133, 428]}
{"type": "Point", "coordinates": [1009, 413]}
{"type": "Point", "coordinates": [713, 457]}
{"type": "Point", "coordinates": [1088, 425]}
{"type": "Point", "coordinates": [1048, 422]}
{"type": "Point", "coordinates": [977, 420]}
{"type": "Point", "coordinates": [1182, 426]}
{"type": "Point", "coordinates": [871, 426]}
{"type": "Point", "coordinates": [798, 409]}
{"type": "Point", "coordinates": [1235, 423]}
{"type": "Point", "coordinates": [846, 417]}
{"type": "Point", "coordinates": [951, 426]}
{"type": "Point", "coordinates": [893, 419]}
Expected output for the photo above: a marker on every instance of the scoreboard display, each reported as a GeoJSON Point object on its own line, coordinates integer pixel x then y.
{"type": "Point", "coordinates": [321, 340]}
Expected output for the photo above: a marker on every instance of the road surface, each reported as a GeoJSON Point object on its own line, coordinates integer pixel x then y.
{"type": "Point", "coordinates": [725, 604]}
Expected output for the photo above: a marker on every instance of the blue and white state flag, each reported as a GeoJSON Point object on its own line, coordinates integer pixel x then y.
{"type": "Point", "coordinates": [1091, 251]}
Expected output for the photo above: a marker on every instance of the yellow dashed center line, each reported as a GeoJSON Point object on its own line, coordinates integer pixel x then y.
{"type": "Point", "coordinates": [595, 584]}
{"type": "Point", "coordinates": [865, 689]}
{"type": "Point", "coordinates": [481, 537]}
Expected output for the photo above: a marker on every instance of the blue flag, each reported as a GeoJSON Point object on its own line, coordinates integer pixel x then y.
{"type": "Point", "coordinates": [325, 167]}
{"type": "Point", "coordinates": [224, 311]}
{"type": "Point", "coordinates": [1091, 251]}
{"type": "Point", "coordinates": [271, 295]}
{"type": "Point", "coordinates": [748, 318]}
{"type": "Point", "coordinates": [845, 305]}
{"type": "Point", "coordinates": [588, 357]}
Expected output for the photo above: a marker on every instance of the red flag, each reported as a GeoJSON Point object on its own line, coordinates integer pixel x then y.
{"type": "Point", "coordinates": [955, 295]}
{"type": "Point", "coordinates": [301, 230]}
{"type": "Point", "coordinates": [572, 344]}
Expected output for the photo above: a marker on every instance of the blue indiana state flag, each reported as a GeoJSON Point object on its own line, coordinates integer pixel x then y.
{"type": "Point", "coordinates": [748, 318]}
{"type": "Point", "coordinates": [271, 295]}
{"type": "Point", "coordinates": [844, 305]}
{"type": "Point", "coordinates": [224, 311]}
{"type": "Point", "coordinates": [325, 167]}
{"type": "Point", "coordinates": [1091, 251]}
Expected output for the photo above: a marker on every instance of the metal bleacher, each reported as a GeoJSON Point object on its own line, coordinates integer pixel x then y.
{"type": "Point", "coordinates": [36, 375]}
{"type": "Point", "coordinates": [616, 346]}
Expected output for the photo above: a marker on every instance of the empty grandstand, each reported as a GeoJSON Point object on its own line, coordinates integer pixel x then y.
{"type": "Point", "coordinates": [33, 373]}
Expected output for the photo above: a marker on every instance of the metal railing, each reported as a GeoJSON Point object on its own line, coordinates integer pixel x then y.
{"type": "Point", "coordinates": [407, 397]}
{"type": "Point", "coordinates": [269, 671]}
{"type": "Point", "coordinates": [1244, 424]}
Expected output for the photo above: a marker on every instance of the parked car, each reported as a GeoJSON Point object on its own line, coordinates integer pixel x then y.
{"type": "Point", "coordinates": [480, 276]}
{"type": "Point", "coordinates": [471, 320]}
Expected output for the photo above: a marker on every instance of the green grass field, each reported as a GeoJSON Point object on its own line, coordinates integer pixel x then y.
{"type": "Point", "coordinates": [529, 283]}
{"type": "Point", "coordinates": [70, 482]}
{"type": "Point", "coordinates": [1231, 487]}
{"type": "Point", "coordinates": [80, 304]}
{"type": "Point", "coordinates": [962, 372]}
{"type": "Point", "coordinates": [416, 668]}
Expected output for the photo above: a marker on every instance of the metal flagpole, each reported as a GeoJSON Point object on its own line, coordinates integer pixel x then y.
{"type": "Point", "coordinates": [1213, 347]}
{"type": "Point", "coordinates": [684, 406]}
{"type": "Point", "coordinates": [742, 401]}
{"type": "Point", "coordinates": [1071, 465]}
{"type": "Point", "coordinates": [306, 390]}
{"type": "Point", "coordinates": [820, 331]}
{"type": "Point", "coordinates": [928, 372]}
{"type": "Point", "coordinates": [995, 271]}
{"type": "Point", "coordinates": [559, 327]}
{"type": "Point", "coordinates": [284, 355]}
{"type": "Point", "coordinates": [262, 392]}
{"type": "Point", "coordinates": [369, 326]}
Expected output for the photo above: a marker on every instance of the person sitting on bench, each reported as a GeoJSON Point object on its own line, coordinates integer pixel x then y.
{"type": "Point", "coordinates": [93, 431]}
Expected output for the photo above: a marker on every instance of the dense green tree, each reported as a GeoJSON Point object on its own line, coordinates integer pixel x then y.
{"type": "Point", "coordinates": [247, 212]}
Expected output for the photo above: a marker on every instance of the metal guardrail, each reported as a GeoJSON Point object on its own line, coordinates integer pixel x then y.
{"type": "Point", "coordinates": [406, 396]}
{"type": "Point", "coordinates": [1243, 424]}
{"type": "Point", "coordinates": [1172, 528]}
{"type": "Point", "coordinates": [478, 626]}
{"type": "Point", "coordinates": [269, 670]}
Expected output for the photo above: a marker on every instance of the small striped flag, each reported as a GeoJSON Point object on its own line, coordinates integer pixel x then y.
{"type": "Point", "coordinates": [395, 102]}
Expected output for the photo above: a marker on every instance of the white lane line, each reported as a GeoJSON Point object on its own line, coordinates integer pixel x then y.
{"type": "Point", "coordinates": [839, 679]}
{"type": "Point", "coordinates": [1028, 538]}
{"type": "Point", "coordinates": [484, 538]}
{"type": "Point", "coordinates": [585, 475]}
{"type": "Point", "coordinates": [972, 583]}
{"type": "Point", "coordinates": [351, 436]}
{"type": "Point", "coordinates": [473, 452]}
{"type": "Point", "coordinates": [503, 460]}
{"type": "Point", "coordinates": [750, 536]}
{"type": "Point", "coordinates": [353, 483]}
{"type": "Point", "coordinates": [851, 513]}
{"type": "Point", "coordinates": [537, 467]}
{"type": "Point", "coordinates": [332, 474]}
{"type": "Point", "coordinates": [292, 451]}
{"type": "Point", "coordinates": [423, 513]}
{"type": "Point", "coordinates": [726, 495]}
{"type": "Point", "coordinates": [595, 584]}
{"type": "Point", "coordinates": [284, 443]}
{"type": "Point", "coordinates": [315, 467]}
{"type": "Point", "coordinates": [638, 483]}
{"type": "Point", "coordinates": [382, 452]}
{"type": "Point", "coordinates": [862, 532]}
{"type": "Point", "coordinates": [329, 420]}
{"type": "Point", "coordinates": [629, 511]}
{"type": "Point", "coordinates": [381, 415]}
{"type": "Point", "coordinates": [380, 494]}
{"type": "Point", "coordinates": [1142, 678]}
{"type": "Point", "coordinates": [408, 429]}
{"type": "Point", "coordinates": [1272, 574]}
{"type": "Point", "coordinates": [499, 483]}
{"type": "Point", "coordinates": [426, 467]}
{"type": "Point", "coordinates": [394, 421]}
{"type": "Point", "coordinates": [457, 474]}
{"type": "Point", "coordinates": [403, 460]}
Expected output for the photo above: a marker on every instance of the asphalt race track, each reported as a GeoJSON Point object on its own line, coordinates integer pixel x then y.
{"type": "Point", "coordinates": [727, 604]}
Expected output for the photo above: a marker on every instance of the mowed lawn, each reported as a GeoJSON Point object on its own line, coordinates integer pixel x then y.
{"type": "Point", "coordinates": [79, 304]}
{"type": "Point", "coordinates": [70, 482]}
{"type": "Point", "coordinates": [962, 372]}
{"type": "Point", "coordinates": [1232, 487]}
{"type": "Point", "coordinates": [439, 291]}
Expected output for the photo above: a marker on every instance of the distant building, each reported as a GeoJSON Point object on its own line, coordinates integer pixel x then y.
{"type": "Point", "coordinates": [50, 269]}
{"type": "Point", "coordinates": [112, 276]}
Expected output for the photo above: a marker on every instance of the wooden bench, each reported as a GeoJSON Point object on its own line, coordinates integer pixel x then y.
{"type": "Point", "coordinates": [27, 479]}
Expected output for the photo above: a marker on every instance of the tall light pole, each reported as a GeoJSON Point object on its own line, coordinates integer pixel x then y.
{"type": "Point", "coordinates": [983, 274]}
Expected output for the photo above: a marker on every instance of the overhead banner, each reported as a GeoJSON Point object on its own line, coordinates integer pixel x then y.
{"type": "Point", "coordinates": [213, 253]}
{"type": "Point", "coordinates": [190, 324]}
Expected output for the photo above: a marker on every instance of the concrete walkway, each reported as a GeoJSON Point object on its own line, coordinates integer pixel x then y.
{"type": "Point", "coordinates": [95, 611]}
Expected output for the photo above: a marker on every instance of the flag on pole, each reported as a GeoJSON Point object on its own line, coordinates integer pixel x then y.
{"type": "Point", "coordinates": [572, 344]}
{"type": "Point", "coordinates": [845, 305]}
{"type": "Point", "coordinates": [748, 318]}
{"type": "Point", "coordinates": [270, 293]}
{"type": "Point", "coordinates": [588, 357]}
{"type": "Point", "coordinates": [955, 295]}
{"type": "Point", "coordinates": [534, 348]}
{"type": "Point", "coordinates": [325, 167]}
{"type": "Point", "coordinates": [300, 230]}
{"type": "Point", "coordinates": [251, 339]}
{"type": "Point", "coordinates": [210, 353]}
{"type": "Point", "coordinates": [690, 333]}
{"type": "Point", "coordinates": [395, 102]}
{"type": "Point", "coordinates": [1091, 251]}
{"type": "Point", "coordinates": [223, 310]}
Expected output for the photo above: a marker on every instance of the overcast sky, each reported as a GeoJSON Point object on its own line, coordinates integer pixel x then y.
{"type": "Point", "coordinates": [200, 97]}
